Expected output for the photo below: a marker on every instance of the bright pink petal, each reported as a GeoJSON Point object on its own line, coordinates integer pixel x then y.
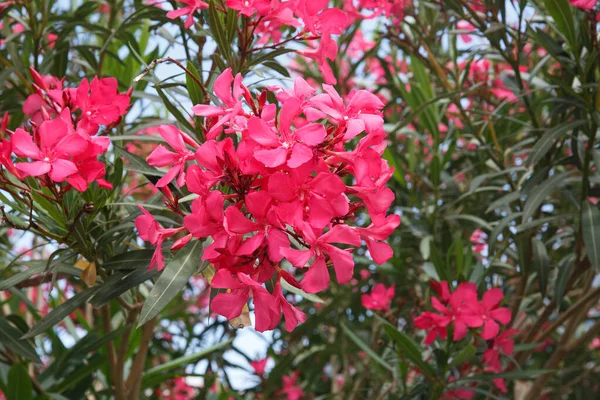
{"type": "Point", "coordinates": [271, 157]}
{"type": "Point", "coordinates": [317, 278]}
{"type": "Point", "coordinates": [35, 168]}
{"type": "Point", "coordinates": [61, 169]}
{"type": "Point", "coordinates": [301, 154]}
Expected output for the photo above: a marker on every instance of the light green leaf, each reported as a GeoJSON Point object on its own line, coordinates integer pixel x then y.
{"type": "Point", "coordinates": [308, 296]}
{"type": "Point", "coordinates": [366, 348]}
{"type": "Point", "coordinates": [172, 280]}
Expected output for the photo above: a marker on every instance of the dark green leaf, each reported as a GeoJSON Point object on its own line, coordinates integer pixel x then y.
{"type": "Point", "coordinates": [544, 144]}
{"type": "Point", "coordinates": [541, 192]}
{"type": "Point", "coordinates": [565, 266]}
{"type": "Point", "coordinates": [408, 349]}
{"type": "Point", "coordinates": [542, 263]}
{"type": "Point", "coordinates": [465, 355]}
{"type": "Point", "coordinates": [561, 13]}
{"type": "Point", "coordinates": [19, 385]}
{"type": "Point", "coordinates": [119, 283]}
{"type": "Point", "coordinates": [590, 218]}
{"type": "Point", "coordinates": [10, 337]}
{"type": "Point", "coordinates": [61, 312]}
{"type": "Point", "coordinates": [182, 362]}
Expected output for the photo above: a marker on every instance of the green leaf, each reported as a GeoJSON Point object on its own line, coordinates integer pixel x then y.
{"type": "Point", "coordinates": [524, 374]}
{"type": "Point", "coordinates": [561, 13]}
{"type": "Point", "coordinates": [61, 312]}
{"type": "Point", "coordinates": [565, 266]}
{"type": "Point", "coordinates": [185, 360]}
{"type": "Point", "coordinates": [19, 386]}
{"type": "Point", "coordinates": [408, 349]}
{"type": "Point", "coordinates": [389, 156]}
{"type": "Point", "coordinates": [174, 110]}
{"type": "Point", "coordinates": [119, 283]}
{"type": "Point", "coordinates": [538, 194]}
{"type": "Point", "coordinates": [308, 296]}
{"type": "Point", "coordinates": [544, 144]}
{"type": "Point", "coordinates": [130, 260]}
{"type": "Point", "coordinates": [590, 219]}
{"type": "Point", "coordinates": [22, 276]}
{"type": "Point", "coordinates": [503, 201]}
{"type": "Point", "coordinates": [367, 349]}
{"type": "Point", "coordinates": [137, 164]}
{"type": "Point", "coordinates": [10, 337]}
{"type": "Point", "coordinates": [172, 280]}
{"type": "Point", "coordinates": [471, 218]}
{"type": "Point", "coordinates": [465, 355]}
{"type": "Point", "coordinates": [541, 262]}
{"type": "Point", "coordinates": [217, 25]}
{"type": "Point", "coordinates": [194, 90]}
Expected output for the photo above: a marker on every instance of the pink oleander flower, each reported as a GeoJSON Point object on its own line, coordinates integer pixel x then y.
{"type": "Point", "coordinates": [379, 299]}
{"type": "Point", "coordinates": [462, 311]}
{"type": "Point", "coordinates": [161, 157]}
{"type": "Point", "coordinates": [259, 366]}
{"type": "Point", "coordinates": [5, 157]}
{"type": "Point", "coordinates": [249, 7]}
{"type": "Point", "coordinates": [229, 91]}
{"type": "Point", "coordinates": [291, 389]}
{"type": "Point", "coordinates": [51, 38]}
{"type": "Point", "coordinates": [465, 26]}
{"type": "Point", "coordinates": [188, 10]}
{"type": "Point", "coordinates": [479, 240]}
{"type": "Point", "coordinates": [584, 4]}
{"type": "Point", "coordinates": [100, 103]}
{"type": "Point", "coordinates": [53, 155]}
{"type": "Point", "coordinates": [491, 357]}
{"type": "Point", "coordinates": [151, 231]}
{"type": "Point", "coordinates": [293, 148]}
{"type": "Point", "coordinates": [275, 196]}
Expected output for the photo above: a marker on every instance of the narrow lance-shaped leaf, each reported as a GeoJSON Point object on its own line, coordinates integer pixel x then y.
{"type": "Point", "coordinates": [542, 263]}
{"type": "Point", "coordinates": [376, 357]}
{"type": "Point", "coordinates": [408, 349]}
{"type": "Point", "coordinates": [172, 280]}
{"type": "Point", "coordinates": [543, 145]}
{"type": "Point", "coordinates": [194, 89]}
{"type": "Point", "coordinates": [181, 362]}
{"type": "Point", "coordinates": [541, 192]}
{"type": "Point", "coordinates": [565, 266]}
{"type": "Point", "coordinates": [590, 219]}
{"type": "Point", "coordinates": [19, 386]}
{"type": "Point", "coordinates": [61, 312]}
{"type": "Point", "coordinates": [560, 10]}
{"type": "Point", "coordinates": [9, 336]}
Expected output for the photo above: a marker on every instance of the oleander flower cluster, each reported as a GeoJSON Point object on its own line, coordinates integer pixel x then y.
{"type": "Point", "coordinates": [65, 134]}
{"type": "Point", "coordinates": [461, 312]}
{"type": "Point", "coordinates": [278, 186]}
{"type": "Point", "coordinates": [312, 22]}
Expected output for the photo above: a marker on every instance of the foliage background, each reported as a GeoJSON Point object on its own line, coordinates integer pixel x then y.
{"type": "Point", "coordinates": [510, 150]}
